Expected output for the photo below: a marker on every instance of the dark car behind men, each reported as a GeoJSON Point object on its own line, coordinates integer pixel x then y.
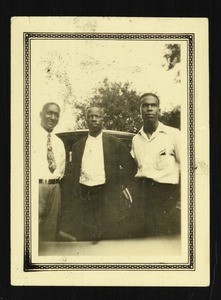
{"type": "Point", "coordinates": [67, 229]}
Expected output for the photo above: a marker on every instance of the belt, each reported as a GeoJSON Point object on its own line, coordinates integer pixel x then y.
{"type": "Point", "coordinates": [151, 182]}
{"type": "Point", "coordinates": [49, 181]}
{"type": "Point", "coordinates": [87, 191]}
{"type": "Point", "coordinates": [146, 180]}
{"type": "Point", "coordinates": [93, 187]}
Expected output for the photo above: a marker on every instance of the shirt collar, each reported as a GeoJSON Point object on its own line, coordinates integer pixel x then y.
{"type": "Point", "coordinates": [45, 131]}
{"type": "Point", "coordinates": [160, 128]}
{"type": "Point", "coordinates": [98, 137]}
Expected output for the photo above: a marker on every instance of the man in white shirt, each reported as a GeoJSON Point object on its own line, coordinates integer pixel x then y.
{"type": "Point", "coordinates": [156, 151]}
{"type": "Point", "coordinates": [101, 166]}
{"type": "Point", "coordinates": [49, 153]}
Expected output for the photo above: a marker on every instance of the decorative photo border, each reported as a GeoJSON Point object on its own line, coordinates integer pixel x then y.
{"type": "Point", "coordinates": [28, 37]}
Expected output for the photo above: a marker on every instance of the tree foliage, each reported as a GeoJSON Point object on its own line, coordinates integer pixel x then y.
{"type": "Point", "coordinates": [120, 104]}
{"type": "Point", "coordinates": [172, 55]}
{"type": "Point", "coordinates": [172, 117]}
{"type": "Point", "coordinates": [121, 107]}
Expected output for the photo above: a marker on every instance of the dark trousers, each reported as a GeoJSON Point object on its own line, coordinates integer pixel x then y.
{"type": "Point", "coordinates": [92, 210]}
{"type": "Point", "coordinates": [154, 208]}
{"type": "Point", "coordinates": [99, 213]}
{"type": "Point", "coordinates": [49, 211]}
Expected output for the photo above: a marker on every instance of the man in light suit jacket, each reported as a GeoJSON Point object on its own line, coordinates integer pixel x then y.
{"type": "Point", "coordinates": [101, 168]}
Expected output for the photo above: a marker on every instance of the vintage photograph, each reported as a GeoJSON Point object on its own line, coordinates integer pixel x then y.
{"type": "Point", "coordinates": [109, 145]}
{"type": "Point", "coordinates": [116, 156]}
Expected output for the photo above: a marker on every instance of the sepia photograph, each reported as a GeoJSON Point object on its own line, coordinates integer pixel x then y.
{"type": "Point", "coordinates": [114, 175]}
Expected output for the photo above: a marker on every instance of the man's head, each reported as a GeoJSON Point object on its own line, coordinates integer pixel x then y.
{"type": "Point", "coordinates": [150, 108]}
{"type": "Point", "coordinates": [50, 116]}
{"type": "Point", "coordinates": [94, 118]}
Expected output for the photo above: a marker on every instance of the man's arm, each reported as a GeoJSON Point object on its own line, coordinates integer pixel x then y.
{"type": "Point", "coordinates": [128, 165]}
{"type": "Point", "coordinates": [177, 140]}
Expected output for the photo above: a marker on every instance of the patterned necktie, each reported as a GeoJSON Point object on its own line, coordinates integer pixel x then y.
{"type": "Point", "coordinates": [50, 155]}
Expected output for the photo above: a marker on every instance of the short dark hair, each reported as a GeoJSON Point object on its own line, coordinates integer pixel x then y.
{"type": "Point", "coordinates": [50, 103]}
{"type": "Point", "coordinates": [94, 106]}
{"type": "Point", "coordinates": [150, 94]}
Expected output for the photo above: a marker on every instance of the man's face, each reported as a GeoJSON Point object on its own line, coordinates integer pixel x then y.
{"type": "Point", "coordinates": [94, 120]}
{"type": "Point", "coordinates": [50, 117]}
{"type": "Point", "coordinates": [150, 109]}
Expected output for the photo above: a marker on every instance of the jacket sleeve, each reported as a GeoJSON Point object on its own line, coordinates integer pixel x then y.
{"type": "Point", "coordinates": [74, 168]}
{"type": "Point", "coordinates": [127, 165]}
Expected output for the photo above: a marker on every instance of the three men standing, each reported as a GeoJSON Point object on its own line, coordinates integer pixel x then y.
{"type": "Point", "coordinates": [50, 154]}
{"type": "Point", "coordinates": [102, 167]}
{"type": "Point", "coordinates": [156, 151]}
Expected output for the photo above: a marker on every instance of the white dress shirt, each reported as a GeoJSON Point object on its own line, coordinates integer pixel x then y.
{"type": "Point", "coordinates": [92, 165]}
{"type": "Point", "coordinates": [39, 155]}
{"type": "Point", "coordinates": [158, 157]}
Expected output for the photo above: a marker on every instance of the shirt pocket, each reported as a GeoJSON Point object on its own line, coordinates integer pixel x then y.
{"type": "Point", "coordinates": [163, 162]}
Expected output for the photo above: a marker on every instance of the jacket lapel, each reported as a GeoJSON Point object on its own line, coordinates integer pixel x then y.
{"type": "Point", "coordinates": [106, 149]}
{"type": "Point", "coordinates": [79, 154]}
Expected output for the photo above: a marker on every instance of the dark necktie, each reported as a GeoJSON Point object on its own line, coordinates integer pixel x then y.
{"type": "Point", "coordinates": [50, 155]}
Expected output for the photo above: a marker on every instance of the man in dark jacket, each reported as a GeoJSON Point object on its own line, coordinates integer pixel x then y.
{"type": "Point", "coordinates": [101, 168]}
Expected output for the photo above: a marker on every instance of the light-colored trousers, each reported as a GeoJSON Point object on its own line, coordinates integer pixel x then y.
{"type": "Point", "coordinates": [49, 211]}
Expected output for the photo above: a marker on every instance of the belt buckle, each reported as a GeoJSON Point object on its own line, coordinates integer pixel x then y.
{"type": "Point", "coordinates": [45, 181]}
